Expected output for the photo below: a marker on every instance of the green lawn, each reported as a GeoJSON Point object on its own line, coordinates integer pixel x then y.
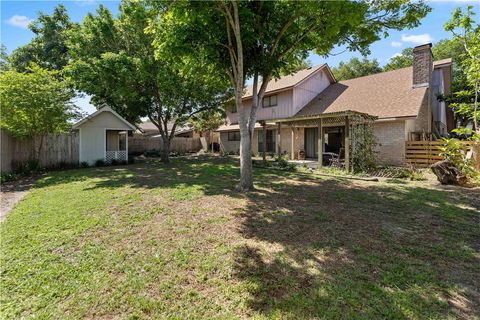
{"type": "Point", "coordinates": [175, 241]}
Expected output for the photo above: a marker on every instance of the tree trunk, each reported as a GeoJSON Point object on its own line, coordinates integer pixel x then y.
{"type": "Point", "coordinates": [246, 175]}
{"type": "Point", "coordinates": [165, 154]}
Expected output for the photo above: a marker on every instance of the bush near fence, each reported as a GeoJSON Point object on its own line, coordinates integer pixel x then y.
{"type": "Point", "coordinates": [140, 144]}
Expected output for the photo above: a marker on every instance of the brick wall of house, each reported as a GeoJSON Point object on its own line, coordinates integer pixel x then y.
{"type": "Point", "coordinates": [234, 146]}
{"type": "Point", "coordinates": [421, 123]}
{"type": "Point", "coordinates": [422, 65]}
{"type": "Point", "coordinates": [390, 138]}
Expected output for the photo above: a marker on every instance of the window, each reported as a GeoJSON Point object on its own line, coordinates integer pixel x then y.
{"type": "Point", "coordinates": [234, 136]}
{"type": "Point", "coordinates": [270, 141]}
{"type": "Point", "coordinates": [270, 101]}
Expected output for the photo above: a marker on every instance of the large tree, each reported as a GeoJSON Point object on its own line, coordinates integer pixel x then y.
{"type": "Point", "coordinates": [48, 48]}
{"type": "Point", "coordinates": [113, 60]}
{"type": "Point", "coordinates": [356, 68]}
{"type": "Point", "coordinates": [34, 104]}
{"type": "Point", "coordinates": [258, 39]}
{"type": "Point", "coordinates": [402, 60]}
{"type": "Point", "coordinates": [465, 30]}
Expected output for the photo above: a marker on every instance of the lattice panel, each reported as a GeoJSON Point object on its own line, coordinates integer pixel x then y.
{"type": "Point", "coordinates": [115, 155]}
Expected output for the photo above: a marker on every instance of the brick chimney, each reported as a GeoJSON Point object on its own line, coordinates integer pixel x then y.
{"type": "Point", "coordinates": [422, 65]}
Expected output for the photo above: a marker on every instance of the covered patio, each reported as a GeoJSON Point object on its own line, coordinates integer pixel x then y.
{"type": "Point", "coordinates": [329, 138]}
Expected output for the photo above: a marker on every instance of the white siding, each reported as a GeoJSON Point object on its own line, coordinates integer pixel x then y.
{"type": "Point", "coordinates": [290, 101]}
{"type": "Point", "coordinates": [92, 136]}
{"type": "Point", "coordinates": [282, 110]}
{"type": "Point", "coordinates": [309, 89]}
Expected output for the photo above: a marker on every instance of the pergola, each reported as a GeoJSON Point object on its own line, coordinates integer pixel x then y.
{"type": "Point", "coordinates": [346, 119]}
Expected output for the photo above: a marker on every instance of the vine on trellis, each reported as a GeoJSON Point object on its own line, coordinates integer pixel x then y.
{"type": "Point", "coordinates": [362, 151]}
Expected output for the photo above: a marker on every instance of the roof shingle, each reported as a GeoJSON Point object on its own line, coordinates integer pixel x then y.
{"type": "Point", "coordinates": [385, 95]}
{"type": "Point", "coordinates": [286, 81]}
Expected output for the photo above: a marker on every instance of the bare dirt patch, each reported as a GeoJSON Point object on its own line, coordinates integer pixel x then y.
{"type": "Point", "coordinates": [12, 192]}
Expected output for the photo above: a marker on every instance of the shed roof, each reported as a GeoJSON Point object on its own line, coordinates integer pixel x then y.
{"type": "Point", "coordinates": [98, 112]}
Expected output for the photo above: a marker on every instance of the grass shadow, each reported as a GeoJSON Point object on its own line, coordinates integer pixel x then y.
{"type": "Point", "coordinates": [341, 249]}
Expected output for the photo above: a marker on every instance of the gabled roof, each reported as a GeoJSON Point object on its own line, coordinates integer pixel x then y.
{"type": "Point", "coordinates": [99, 111]}
{"type": "Point", "coordinates": [385, 95]}
{"type": "Point", "coordinates": [290, 81]}
{"type": "Point", "coordinates": [149, 127]}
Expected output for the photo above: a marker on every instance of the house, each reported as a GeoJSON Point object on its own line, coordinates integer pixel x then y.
{"type": "Point", "coordinates": [401, 105]}
{"type": "Point", "coordinates": [103, 135]}
{"type": "Point", "coordinates": [148, 129]}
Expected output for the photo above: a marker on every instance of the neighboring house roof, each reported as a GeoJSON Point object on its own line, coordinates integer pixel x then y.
{"type": "Point", "coordinates": [385, 95]}
{"type": "Point", "coordinates": [99, 111]}
{"type": "Point", "coordinates": [149, 127]}
{"type": "Point", "coordinates": [236, 127]}
{"type": "Point", "coordinates": [290, 81]}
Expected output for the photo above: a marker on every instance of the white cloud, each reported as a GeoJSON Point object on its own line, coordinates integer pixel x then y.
{"type": "Point", "coordinates": [19, 21]}
{"type": "Point", "coordinates": [396, 44]}
{"type": "Point", "coordinates": [417, 38]}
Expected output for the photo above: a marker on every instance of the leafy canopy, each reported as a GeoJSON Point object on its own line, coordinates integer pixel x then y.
{"type": "Point", "coordinates": [114, 61]}
{"type": "Point", "coordinates": [48, 48]}
{"type": "Point", "coordinates": [35, 103]}
{"type": "Point", "coordinates": [356, 68]}
{"type": "Point", "coordinates": [467, 32]}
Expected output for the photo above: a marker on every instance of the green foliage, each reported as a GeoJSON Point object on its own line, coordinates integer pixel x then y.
{"type": "Point", "coordinates": [84, 164]}
{"type": "Point", "coordinates": [356, 68]}
{"type": "Point", "coordinates": [363, 148]}
{"type": "Point", "coordinates": [35, 103]}
{"type": "Point", "coordinates": [259, 39]}
{"type": "Point", "coordinates": [467, 31]}
{"type": "Point", "coordinates": [403, 60]}
{"type": "Point", "coordinates": [100, 163]}
{"type": "Point", "coordinates": [295, 66]}
{"type": "Point", "coordinates": [208, 120]}
{"type": "Point", "coordinates": [48, 48]}
{"type": "Point", "coordinates": [26, 167]}
{"type": "Point", "coordinates": [4, 59]}
{"type": "Point", "coordinates": [114, 61]}
{"type": "Point", "coordinates": [7, 176]}
{"type": "Point", "coordinates": [455, 151]}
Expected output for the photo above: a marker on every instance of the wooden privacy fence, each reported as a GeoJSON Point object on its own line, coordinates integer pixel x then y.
{"type": "Point", "coordinates": [58, 149]}
{"type": "Point", "coordinates": [425, 153]}
{"type": "Point", "coordinates": [140, 144]}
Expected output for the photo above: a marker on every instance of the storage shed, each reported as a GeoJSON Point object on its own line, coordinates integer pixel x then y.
{"type": "Point", "coordinates": [103, 136]}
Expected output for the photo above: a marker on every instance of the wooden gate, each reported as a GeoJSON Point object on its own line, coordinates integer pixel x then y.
{"type": "Point", "coordinates": [425, 153]}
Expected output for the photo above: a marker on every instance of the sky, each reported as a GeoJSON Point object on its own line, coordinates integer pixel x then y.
{"type": "Point", "coordinates": [15, 16]}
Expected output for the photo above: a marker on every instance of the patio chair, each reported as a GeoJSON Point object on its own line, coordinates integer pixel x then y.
{"type": "Point", "coordinates": [338, 160]}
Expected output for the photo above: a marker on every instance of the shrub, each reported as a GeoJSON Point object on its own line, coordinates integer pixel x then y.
{"type": "Point", "coordinates": [454, 151]}
{"type": "Point", "coordinates": [7, 176]}
{"type": "Point", "coordinates": [33, 165]}
{"type": "Point", "coordinates": [363, 153]}
{"type": "Point", "coordinates": [84, 164]}
{"type": "Point", "coordinates": [282, 162]}
{"type": "Point", "coordinates": [131, 160]}
{"type": "Point", "coordinates": [114, 162]}
{"type": "Point", "coordinates": [25, 167]}
{"type": "Point", "coordinates": [99, 163]}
